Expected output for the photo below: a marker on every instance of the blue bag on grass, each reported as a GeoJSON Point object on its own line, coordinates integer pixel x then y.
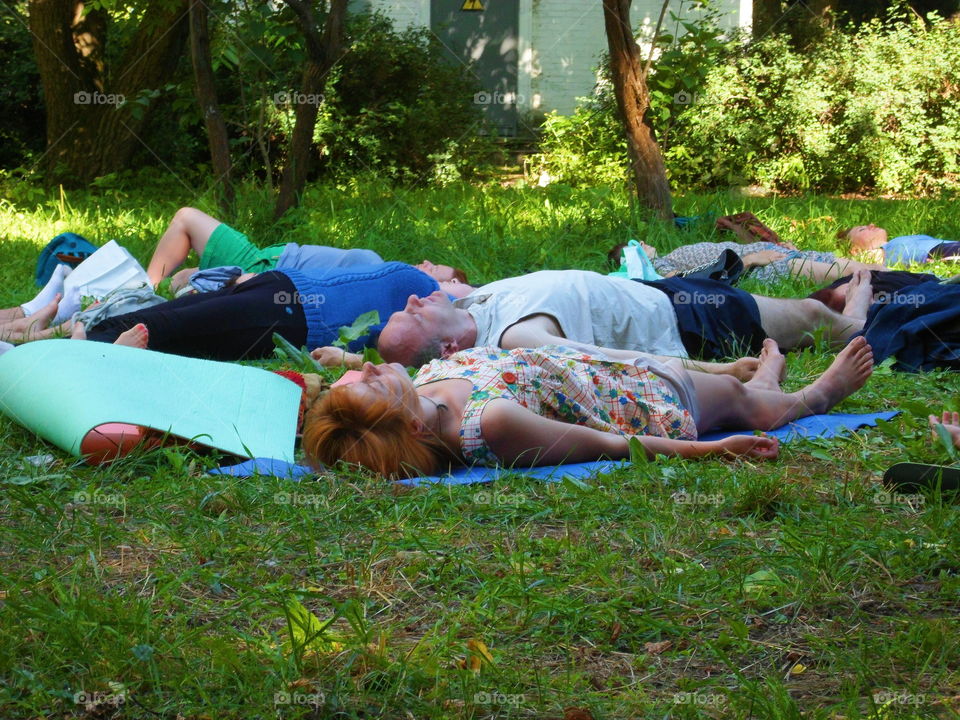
{"type": "Point", "coordinates": [67, 248]}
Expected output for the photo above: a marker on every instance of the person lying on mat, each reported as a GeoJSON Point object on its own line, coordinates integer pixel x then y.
{"type": "Point", "coordinates": [238, 322]}
{"type": "Point", "coordinates": [556, 404]}
{"type": "Point", "coordinates": [676, 317]}
{"type": "Point", "coordinates": [869, 242]}
{"type": "Point", "coordinates": [217, 245]}
{"type": "Point", "coordinates": [763, 260]}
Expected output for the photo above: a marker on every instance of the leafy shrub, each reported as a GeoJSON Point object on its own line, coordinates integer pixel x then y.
{"type": "Point", "coordinates": [868, 108]}
{"type": "Point", "coordinates": [588, 147]}
{"type": "Point", "coordinates": [397, 108]}
{"type": "Point", "coordinates": [864, 109]}
{"type": "Point", "coordinates": [21, 103]}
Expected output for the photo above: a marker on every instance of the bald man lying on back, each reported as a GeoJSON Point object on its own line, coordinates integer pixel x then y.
{"type": "Point", "coordinates": [674, 318]}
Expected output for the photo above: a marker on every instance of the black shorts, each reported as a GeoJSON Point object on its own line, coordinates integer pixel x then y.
{"type": "Point", "coordinates": [715, 320]}
{"type": "Point", "coordinates": [945, 249]}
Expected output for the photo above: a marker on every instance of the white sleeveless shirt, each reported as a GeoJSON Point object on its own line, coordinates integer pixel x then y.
{"type": "Point", "coordinates": [589, 308]}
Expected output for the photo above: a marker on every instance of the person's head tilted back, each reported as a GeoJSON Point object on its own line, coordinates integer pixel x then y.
{"type": "Point", "coordinates": [864, 238]}
{"type": "Point", "coordinates": [442, 273]}
{"type": "Point", "coordinates": [419, 332]}
{"type": "Point", "coordinates": [373, 423]}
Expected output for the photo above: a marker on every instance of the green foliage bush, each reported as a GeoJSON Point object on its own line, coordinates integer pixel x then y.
{"type": "Point", "coordinates": [867, 108]}
{"type": "Point", "coordinates": [588, 147]}
{"type": "Point", "coordinates": [396, 108]}
{"type": "Point", "coordinates": [392, 107]}
{"type": "Point", "coordinates": [21, 103]}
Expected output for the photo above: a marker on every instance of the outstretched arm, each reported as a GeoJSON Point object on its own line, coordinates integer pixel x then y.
{"type": "Point", "coordinates": [742, 369]}
{"type": "Point", "coordinates": [761, 258]}
{"type": "Point", "coordinates": [518, 435]}
{"type": "Point", "coordinates": [542, 331]}
{"type": "Point", "coordinates": [330, 356]}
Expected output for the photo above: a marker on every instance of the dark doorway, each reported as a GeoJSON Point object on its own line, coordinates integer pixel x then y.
{"type": "Point", "coordinates": [482, 34]}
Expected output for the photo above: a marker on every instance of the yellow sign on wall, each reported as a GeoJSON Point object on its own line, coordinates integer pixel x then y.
{"type": "Point", "coordinates": [475, 5]}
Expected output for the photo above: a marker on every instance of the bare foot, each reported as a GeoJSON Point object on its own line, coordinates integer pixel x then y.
{"type": "Point", "coordinates": [137, 337]}
{"type": "Point", "coordinates": [32, 327]}
{"type": "Point", "coordinates": [859, 295]}
{"type": "Point", "coordinates": [42, 317]}
{"type": "Point", "coordinates": [8, 314]}
{"type": "Point", "coordinates": [772, 369]}
{"type": "Point", "coordinates": [79, 332]}
{"type": "Point", "coordinates": [848, 373]}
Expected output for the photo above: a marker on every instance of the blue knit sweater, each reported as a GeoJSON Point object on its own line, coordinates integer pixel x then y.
{"type": "Point", "coordinates": [334, 297]}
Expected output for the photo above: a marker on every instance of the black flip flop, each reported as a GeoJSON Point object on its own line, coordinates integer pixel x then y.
{"type": "Point", "coordinates": [909, 478]}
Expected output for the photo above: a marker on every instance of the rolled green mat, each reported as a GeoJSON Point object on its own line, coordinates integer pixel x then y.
{"type": "Point", "coordinates": [62, 389]}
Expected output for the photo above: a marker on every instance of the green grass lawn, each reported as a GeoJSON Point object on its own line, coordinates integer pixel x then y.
{"type": "Point", "coordinates": [795, 588]}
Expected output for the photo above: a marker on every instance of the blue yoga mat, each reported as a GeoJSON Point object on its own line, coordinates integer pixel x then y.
{"type": "Point", "coordinates": [825, 426]}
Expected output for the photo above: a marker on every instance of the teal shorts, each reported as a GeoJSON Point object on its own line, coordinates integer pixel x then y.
{"type": "Point", "coordinates": [226, 246]}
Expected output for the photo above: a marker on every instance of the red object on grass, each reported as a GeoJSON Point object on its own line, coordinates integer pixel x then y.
{"type": "Point", "coordinates": [107, 442]}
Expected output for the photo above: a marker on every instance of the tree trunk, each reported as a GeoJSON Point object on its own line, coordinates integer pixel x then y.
{"type": "Point", "coordinates": [649, 172]}
{"type": "Point", "coordinates": [322, 53]}
{"type": "Point", "coordinates": [92, 127]}
{"type": "Point", "coordinates": [206, 92]}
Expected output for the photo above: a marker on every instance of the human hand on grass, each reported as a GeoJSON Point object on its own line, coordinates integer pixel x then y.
{"type": "Point", "coordinates": [330, 356]}
{"type": "Point", "coordinates": [756, 446]}
{"type": "Point", "coordinates": [764, 257]}
{"type": "Point", "coordinates": [745, 368]}
{"type": "Point", "coordinates": [180, 279]}
{"type": "Point", "coordinates": [950, 422]}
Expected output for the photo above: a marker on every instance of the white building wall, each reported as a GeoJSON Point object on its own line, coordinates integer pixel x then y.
{"type": "Point", "coordinates": [567, 40]}
{"type": "Point", "coordinates": [561, 42]}
{"type": "Point", "coordinates": [403, 12]}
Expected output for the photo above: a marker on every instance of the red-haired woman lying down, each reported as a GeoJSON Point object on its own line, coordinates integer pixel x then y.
{"type": "Point", "coordinates": [553, 404]}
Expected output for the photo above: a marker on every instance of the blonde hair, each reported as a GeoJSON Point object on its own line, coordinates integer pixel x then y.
{"type": "Point", "coordinates": [377, 435]}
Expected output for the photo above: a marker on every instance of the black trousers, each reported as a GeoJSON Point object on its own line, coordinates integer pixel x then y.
{"type": "Point", "coordinates": [235, 323]}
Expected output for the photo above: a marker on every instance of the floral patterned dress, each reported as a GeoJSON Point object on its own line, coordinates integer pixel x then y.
{"type": "Point", "coordinates": [562, 384]}
{"type": "Point", "coordinates": [690, 257]}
